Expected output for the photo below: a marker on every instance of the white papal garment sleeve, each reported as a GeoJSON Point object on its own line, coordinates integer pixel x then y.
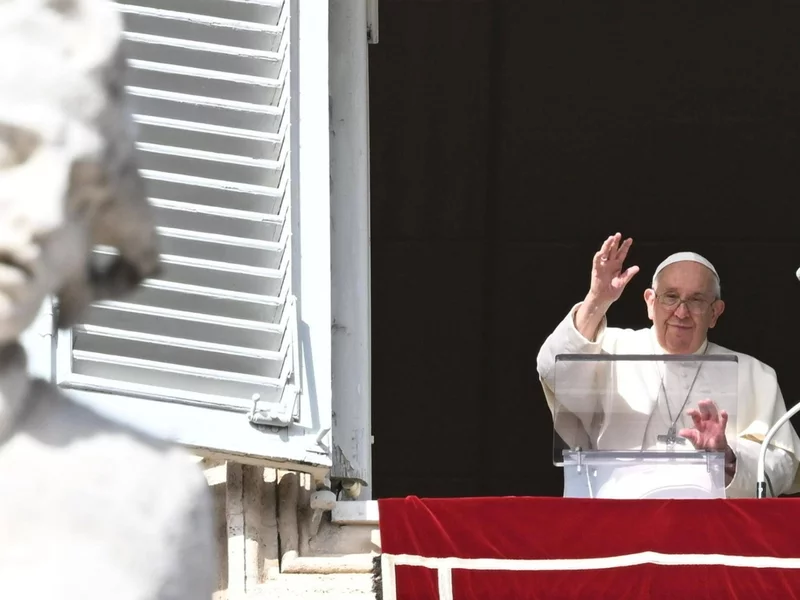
{"type": "Point", "coordinates": [572, 422]}
{"type": "Point", "coordinates": [566, 339]}
{"type": "Point", "coordinates": [780, 468]}
{"type": "Point", "coordinates": [761, 404]}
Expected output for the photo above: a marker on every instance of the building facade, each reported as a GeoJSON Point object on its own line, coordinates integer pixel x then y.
{"type": "Point", "coordinates": [252, 348]}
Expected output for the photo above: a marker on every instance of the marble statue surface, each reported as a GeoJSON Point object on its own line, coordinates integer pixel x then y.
{"type": "Point", "coordinates": [89, 509]}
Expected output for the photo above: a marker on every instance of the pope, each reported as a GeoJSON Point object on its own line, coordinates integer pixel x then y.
{"type": "Point", "coordinates": [684, 302]}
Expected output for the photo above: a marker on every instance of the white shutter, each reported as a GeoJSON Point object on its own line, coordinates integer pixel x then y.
{"type": "Point", "coordinates": [209, 353]}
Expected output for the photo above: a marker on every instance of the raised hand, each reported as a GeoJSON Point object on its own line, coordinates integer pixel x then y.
{"type": "Point", "coordinates": [608, 278]}
{"type": "Point", "coordinates": [709, 427]}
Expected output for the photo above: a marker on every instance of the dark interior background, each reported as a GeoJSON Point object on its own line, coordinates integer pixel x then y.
{"type": "Point", "coordinates": [508, 139]}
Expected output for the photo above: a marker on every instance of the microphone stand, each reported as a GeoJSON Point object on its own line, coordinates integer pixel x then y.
{"type": "Point", "coordinates": [761, 479]}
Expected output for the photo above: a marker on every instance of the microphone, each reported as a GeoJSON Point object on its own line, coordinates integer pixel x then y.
{"type": "Point", "coordinates": [761, 480]}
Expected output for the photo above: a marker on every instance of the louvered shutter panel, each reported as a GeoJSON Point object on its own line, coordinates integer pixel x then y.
{"type": "Point", "coordinates": [208, 353]}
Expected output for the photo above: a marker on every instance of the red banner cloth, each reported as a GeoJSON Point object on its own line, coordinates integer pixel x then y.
{"type": "Point", "coordinates": [563, 548]}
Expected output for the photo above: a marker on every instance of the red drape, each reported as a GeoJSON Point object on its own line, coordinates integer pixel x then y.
{"type": "Point", "coordinates": [760, 537]}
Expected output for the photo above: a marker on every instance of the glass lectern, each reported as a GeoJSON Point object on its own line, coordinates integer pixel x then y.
{"type": "Point", "coordinates": [623, 424]}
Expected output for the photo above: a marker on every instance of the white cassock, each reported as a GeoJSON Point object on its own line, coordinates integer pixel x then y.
{"type": "Point", "coordinates": [647, 398]}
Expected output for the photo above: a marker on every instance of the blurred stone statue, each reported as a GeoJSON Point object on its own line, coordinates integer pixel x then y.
{"type": "Point", "coordinates": [88, 509]}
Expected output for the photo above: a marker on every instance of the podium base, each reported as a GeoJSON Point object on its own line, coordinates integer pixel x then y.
{"type": "Point", "coordinates": [663, 477]}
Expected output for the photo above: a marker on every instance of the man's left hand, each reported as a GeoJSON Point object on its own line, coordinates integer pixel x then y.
{"type": "Point", "coordinates": [709, 427]}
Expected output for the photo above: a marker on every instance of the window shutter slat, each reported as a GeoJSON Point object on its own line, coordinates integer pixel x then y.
{"type": "Point", "coordinates": [209, 86]}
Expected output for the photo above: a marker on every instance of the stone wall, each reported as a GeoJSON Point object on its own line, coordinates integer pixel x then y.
{"type": "Point", "coordinates": [266, 543]}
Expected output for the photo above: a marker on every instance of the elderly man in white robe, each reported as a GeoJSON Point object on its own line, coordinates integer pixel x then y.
{"type": "Point", "coordinates": [683, 303]}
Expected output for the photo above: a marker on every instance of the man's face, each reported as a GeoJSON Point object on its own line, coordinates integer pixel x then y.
{"type": "Point", "coordinates": [683, 307]}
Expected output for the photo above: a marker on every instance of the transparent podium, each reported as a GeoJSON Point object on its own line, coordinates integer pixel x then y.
{"type": "Point", "coordinates": [625, 425]}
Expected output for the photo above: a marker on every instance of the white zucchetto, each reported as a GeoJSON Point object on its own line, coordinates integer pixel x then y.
{"type": "Point", "coordinates": [684, 256]}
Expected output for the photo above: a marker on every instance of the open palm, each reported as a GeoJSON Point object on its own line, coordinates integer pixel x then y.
{"type": "Point", "coordinates": [709, 427]}
{"type": "Point", "coordinates": [608, 277]}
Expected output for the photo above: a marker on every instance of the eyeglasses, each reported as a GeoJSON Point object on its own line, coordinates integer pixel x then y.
{"type": "Point", "coordinates": [696, 306]}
